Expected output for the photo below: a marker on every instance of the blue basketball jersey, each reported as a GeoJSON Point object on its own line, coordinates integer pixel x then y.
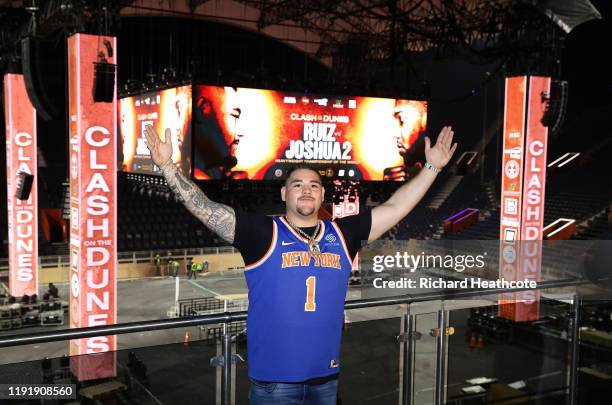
{"type": "Point", "coordinates": [296, 305]}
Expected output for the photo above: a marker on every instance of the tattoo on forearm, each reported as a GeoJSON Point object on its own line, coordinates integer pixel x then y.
{"type": "Point", "coordinates": [199, 200]}
{"type": "Point", "coordinates": [176, 192]}
{"type": "Point", "coordinates": [184, 185]}
{"type": "Point", "coordinates": [217, 217]}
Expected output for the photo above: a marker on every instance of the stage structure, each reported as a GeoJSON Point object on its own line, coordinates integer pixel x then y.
{"type": "Point", "coordinates": [21, 187]}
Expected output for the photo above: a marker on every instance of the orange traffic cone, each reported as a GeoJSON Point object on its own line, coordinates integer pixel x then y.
{"type": "Point", "coordinates": [473, 341]}
{"type": "Point", "coordinates": [186, 338]}
{"type": "Point", "coordinates": [480, 344]}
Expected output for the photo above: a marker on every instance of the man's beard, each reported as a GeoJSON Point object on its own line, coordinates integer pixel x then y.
{"type": "Point", "coordinates": [305, 211]}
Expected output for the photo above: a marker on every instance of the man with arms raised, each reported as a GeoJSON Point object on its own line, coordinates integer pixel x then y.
{"type": "Point", "coordinates": [297, 269]}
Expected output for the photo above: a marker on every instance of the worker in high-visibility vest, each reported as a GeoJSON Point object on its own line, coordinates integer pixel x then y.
{"type": "Point", "coordinates": [174, 266]}
{"type": "Point", "coordinates": [157, 262]}
{"type": "Point", "coordinates": [195, 268]}
{"type": "Point", "coordinates": [188, 264]}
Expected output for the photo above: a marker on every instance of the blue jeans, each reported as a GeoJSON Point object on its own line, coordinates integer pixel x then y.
{"type": "Point", "coordinates": [271, 393]}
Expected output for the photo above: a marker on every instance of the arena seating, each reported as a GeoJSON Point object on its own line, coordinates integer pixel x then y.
{"type": "Point", "coordinates": [150, 217]}
{"type": "Point", "coordinates": [427, 223]}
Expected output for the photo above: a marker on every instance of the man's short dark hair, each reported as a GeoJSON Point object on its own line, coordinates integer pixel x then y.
{"type": "Point", "coordinates": [302, 166]}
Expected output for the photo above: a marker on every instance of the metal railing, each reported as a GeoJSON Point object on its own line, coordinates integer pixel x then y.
{"type": "Point", "coordinates": [131, 257]}
{"type": "Point", "coordinates": [408, 332]}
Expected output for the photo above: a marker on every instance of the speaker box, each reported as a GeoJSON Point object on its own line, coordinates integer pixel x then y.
{"type": "Point", "coordinates": [556, 106]}
{"type": "Point", "coordinates": [23, 186]}
{"type": "Point", "coordinates": [104, 82]}
{"type": "Point", "coordinates": [34, 78]}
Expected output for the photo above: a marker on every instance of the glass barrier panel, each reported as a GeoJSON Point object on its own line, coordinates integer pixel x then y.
{"type": "Point", "coordinates": [424, 352]}
{"type": "Point", "coordinates": [594, 372]}
{"type": "Point", "coordinates": [493, 356]}
{"type": "Point", "coordinates": [370, 361]}
{"type": "Point", "coordinates": [165, 374]}
{"type": "Point", "coordinates": [369, 364]}
{"type": "Point", "coordinates": [38, 351]}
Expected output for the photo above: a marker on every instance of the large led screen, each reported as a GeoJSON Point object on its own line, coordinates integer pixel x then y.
{"type": "Point", "coordinates": [163, 109]}
{"type": "Point", "coordinates": [256, 134]}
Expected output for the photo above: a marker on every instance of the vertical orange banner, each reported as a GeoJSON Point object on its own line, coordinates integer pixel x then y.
{"type": "Point", "coordinates": [511, 185]}
{"type": "Point", "coordinates": [532, 219]}
{"type": "Point", "coordinates": [535, 160]}
{"type": "Point", "coordinates": [93, 195]}
{"type": "Point", "coordinates": [22, 214]}
{"type": "Point", "coordinates": [512, 162]}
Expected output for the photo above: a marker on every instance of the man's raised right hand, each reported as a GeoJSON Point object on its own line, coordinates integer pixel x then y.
{"type": "Point", "coordinates": [161, 151]}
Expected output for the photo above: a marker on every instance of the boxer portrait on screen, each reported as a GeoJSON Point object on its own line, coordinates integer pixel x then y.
{"type": "Point", "coordinates": [217, 140]}
{"type": "Point", "coordinates": [411, 118]}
